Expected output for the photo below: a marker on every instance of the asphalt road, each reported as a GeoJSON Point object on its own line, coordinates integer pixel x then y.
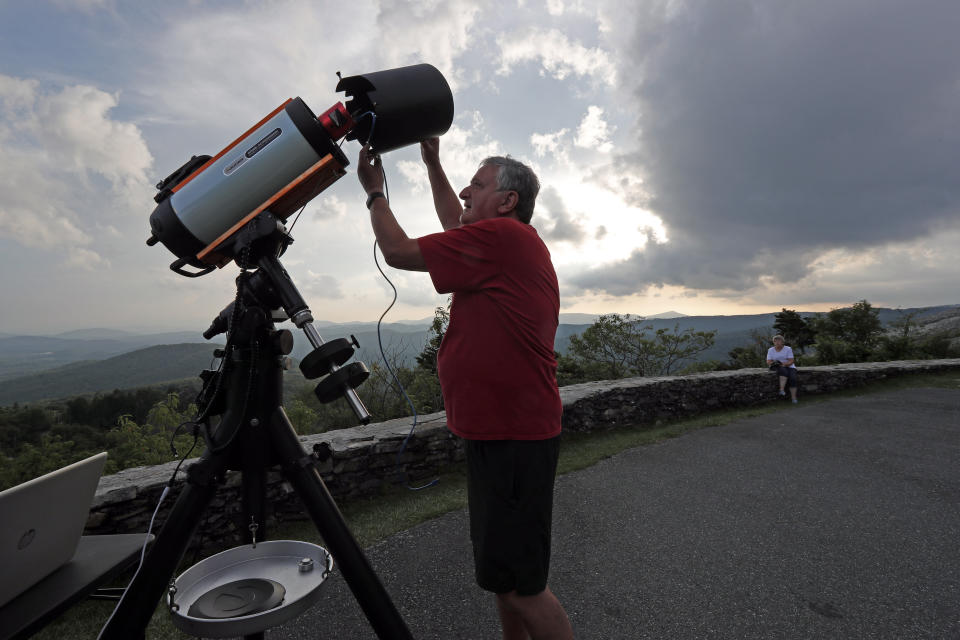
{"type": "Point", "coordinates": [836, 519]}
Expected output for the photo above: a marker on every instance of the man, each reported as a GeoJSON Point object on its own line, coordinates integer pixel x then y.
{"type": "Point", "coordinates": [497, 370]}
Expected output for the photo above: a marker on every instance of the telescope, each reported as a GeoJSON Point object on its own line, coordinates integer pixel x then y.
{"type": "Point", "coordinates": [232, 207]}
{"type": "Point", "coordinates": [287, 159]}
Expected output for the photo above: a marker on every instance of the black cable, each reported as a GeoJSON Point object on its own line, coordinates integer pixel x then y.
{"type": "Point", "coordinates": [386, 362]}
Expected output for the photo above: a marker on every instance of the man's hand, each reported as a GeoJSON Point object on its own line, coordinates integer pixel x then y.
{"type": "Point", "coordinates": [369, 170]}
{"type": "Point", "coordinates": [430, 151]}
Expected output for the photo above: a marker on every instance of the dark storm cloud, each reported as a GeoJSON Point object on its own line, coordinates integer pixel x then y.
{"type": "Point", "coordinates": [554, 221]}
{"type": "Point", "coordinates": [771, 131]}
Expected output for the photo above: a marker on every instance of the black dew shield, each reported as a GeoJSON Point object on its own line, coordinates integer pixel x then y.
{"type": "Point", "coordinates": [411, 104]}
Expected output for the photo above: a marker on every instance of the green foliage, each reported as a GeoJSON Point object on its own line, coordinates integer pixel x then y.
{"type": "Point", "coordinates": [903, 343]}
{"type": "Point", "coordinates": [571, 370]}
{"type": "Point", "coordinates": [39, 442]}
{"type": "Point", "coordinates": [427, 359]}
{"type": "Point", "coordinates": [303, 417]}
{"type": "Point", "coordinates": [796, 331]}
{"type": "Point", "coordinates": [50, 453]}
{"type": "Point", "coordinates": [856, 334]}
{"type": "Point", "coordinates": [751, 355]}
{"type": "Point", "coordinates": [847, 335]}
{"type": "Point", "coordinates": [134, 445]}
{"type": "Point", "coordinates": [380, 393]}
{"type": "Point", "coordinates": [102, 409]}
{"type": "Point", "coordinates": [131, 445]}
{"type": "Point", "coordinates": [20, 426]}
{"type": "Point", "coordinates": [619, 346]}
{"type": "Point", "coordinates": [424, 390]}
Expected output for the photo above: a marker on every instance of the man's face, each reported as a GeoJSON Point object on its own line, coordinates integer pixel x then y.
{"type": "Point", "coordinates": [778, 343]}
{"type": "Point", "coordinates": [481, 200]}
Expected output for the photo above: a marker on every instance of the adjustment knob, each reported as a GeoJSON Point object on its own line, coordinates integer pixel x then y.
{"type": "Point", "coordinates": [334, 385]}
{"type": "Point", "coordinates": [318, 362]}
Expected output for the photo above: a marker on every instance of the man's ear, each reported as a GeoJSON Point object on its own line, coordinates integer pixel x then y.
{"type": "Point", "coordinates": [508, 203]}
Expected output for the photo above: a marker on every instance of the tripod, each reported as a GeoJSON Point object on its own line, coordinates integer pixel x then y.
{"type": "Point", "coordinates": [254, 434]}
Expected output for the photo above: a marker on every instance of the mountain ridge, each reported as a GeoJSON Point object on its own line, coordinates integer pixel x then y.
{"type": "Point", "coordinates": [36, 368]}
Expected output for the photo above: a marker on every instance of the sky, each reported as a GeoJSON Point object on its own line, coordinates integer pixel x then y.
{"type": "Point", "coordinates": [703, 156]}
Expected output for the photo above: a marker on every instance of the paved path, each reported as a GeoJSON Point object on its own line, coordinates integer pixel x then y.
{"type": "Point", "coordinates": [838, 519]}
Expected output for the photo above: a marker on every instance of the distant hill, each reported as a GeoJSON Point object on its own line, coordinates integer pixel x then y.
{"type": "Point", "coordinates": [174, 362]}
{"type": "Point", "coordinates": [590, 318]}
{"type": "Point", "coordinates": [24, 354]}
{"type": "Point", "coordinates": [96, 334]}
{"type": "Point", "coordinates": [140, 368]}
{"type": "Point", "coordinates": [87, 361]}
{"type": "Point", "coordinates": [578, 318]}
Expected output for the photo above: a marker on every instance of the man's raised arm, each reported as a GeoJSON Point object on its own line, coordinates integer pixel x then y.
{"type": "Point", "coordinates": [445, 199]}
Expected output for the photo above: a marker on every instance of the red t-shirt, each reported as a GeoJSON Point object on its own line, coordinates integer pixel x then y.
{"type": "Point", "coordinates": [496, 363]}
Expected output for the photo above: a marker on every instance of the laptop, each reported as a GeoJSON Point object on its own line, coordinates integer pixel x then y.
{"type": "Point", "coordinates": [41, 522]}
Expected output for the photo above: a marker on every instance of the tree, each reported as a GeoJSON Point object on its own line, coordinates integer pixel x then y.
{"type": "Point", "coordinates": [617, 346]}
{"type": "Point", "coordinates": [796, 331]}
{"type": "Point", "coordinates": [51, 453]}
{"type": "Point", "coordinates": [302, 416]}
{"type": "Point", "coordinates": [428, 357]}
{"type": "Point", "coordinates": [132, 445]}
{"type": "Point", "coordinates": [166, 414]}
{"type": "Point", "coordinates": [847, 335]}
{"type": "Point", "coordinates": [603, 350]}
{"type": "Point", "coordinates": [750, 355]}
{"type": "Point", "coordinates": [571, 370]}
{"type": "Point", "coordinates": [899, 344]}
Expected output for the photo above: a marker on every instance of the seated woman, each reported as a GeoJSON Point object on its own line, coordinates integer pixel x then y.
{"type": "Point", "coordinates": [782, 356]}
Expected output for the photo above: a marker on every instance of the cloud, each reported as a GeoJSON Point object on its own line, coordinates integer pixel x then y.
{"type": "Point", "coordinates": [414, 289]}
{"type": "Point", "coordinates": [415, 174]}
{"type": "Point", "coordinates": [228, 62]}
{"type": "Point", "coordinates": [83, 5]}
{"type": "Point", "coordinates": [85, 259]}
{"type": "Point", "coordinates": [557, 55]}
{"type": "Point", "coordinates": [433, 31]}
{"type": "Point", "coordinates": [323, 286]}
{"type": "Point", "coordinates": [67, 166]}
{"type": "Point", "coordinates": [557, 224]}
{"type": "Point", "coordinates": [464, 146]}
{"type": "Point", "coordinates": [326, 207]}
{"type": "Point", "coordinates": [772, 133]}
{"type": "Point", "coordinates": [594, 132]}
{"type": "Point", "coordinates": [74, 125]}
{"type": "Point", "coordinates": [907, 273]}
{"type": "Point", "coordinates": [550, 145]}
{"type": "Point", "coordinates": [555, 7]}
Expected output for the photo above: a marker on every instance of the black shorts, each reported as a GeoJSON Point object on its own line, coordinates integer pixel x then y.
{"type": "Point", "coordinates": [790, 374]}
{"type": "Point", "coordinates": [510, 493]}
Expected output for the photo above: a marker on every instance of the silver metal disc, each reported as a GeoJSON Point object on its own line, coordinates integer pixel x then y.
{"type": "Point", "coordinates": [300, 567]}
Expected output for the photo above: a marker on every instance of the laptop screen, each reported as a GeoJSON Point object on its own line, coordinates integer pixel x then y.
{"type": "Point", "coordinates": [41, 522]}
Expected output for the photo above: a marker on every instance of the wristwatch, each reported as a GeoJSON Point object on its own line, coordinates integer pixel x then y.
{"type": "Point", "coordinates": [373, 196]}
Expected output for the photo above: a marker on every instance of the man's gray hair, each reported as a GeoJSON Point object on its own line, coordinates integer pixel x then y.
{"type": "Point", "coordinates": [513, 175]}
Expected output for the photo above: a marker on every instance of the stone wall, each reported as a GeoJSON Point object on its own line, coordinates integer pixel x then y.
{"type": "Point", "coordinates": [360, 461]}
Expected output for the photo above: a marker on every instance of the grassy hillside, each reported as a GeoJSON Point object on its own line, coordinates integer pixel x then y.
{"type": "Point", "coordinates": [144, 367]}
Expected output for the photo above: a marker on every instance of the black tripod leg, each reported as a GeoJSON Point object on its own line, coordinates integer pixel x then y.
{"type": "Point", "coordinates": [130, 618]}
{"type": "Point", "coordinates": [362, 580]}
